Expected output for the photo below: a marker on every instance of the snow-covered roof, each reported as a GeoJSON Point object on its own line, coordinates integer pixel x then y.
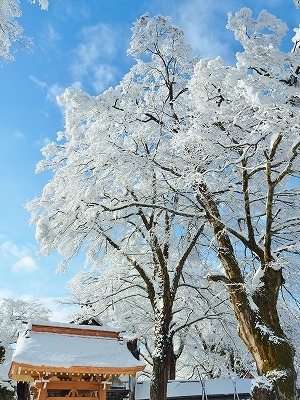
{"type": "Point", "coordinates": [67, 346]}
{"type": "Point", "coordinates": [61, 350]}
{"type": "Point", "coordinates": [194, 388]}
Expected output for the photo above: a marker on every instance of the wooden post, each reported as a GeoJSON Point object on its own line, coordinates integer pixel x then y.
{"type": "Point", "coordinates": [102, 391]}
{"type": "Point", "coordinates": [42, 393]}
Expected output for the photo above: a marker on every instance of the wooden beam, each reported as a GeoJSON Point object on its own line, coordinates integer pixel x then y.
{"type": "Point", "coordinates": [75, 331]}
{"type": "Point", "coordinates": [33, 370]}
{"type": "Point", "coordinates": [60, 398]}
{"type": "Point", "coordinates": [68, 385]}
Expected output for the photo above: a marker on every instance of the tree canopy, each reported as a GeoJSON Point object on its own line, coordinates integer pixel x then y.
{"type": "Point", "coordinates": [185, 157]}
{"type": "Point", "coordinates": [11, 33]}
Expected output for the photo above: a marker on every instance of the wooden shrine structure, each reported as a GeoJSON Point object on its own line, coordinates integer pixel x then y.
{"type": "Point", "coordinates": [59, 361]}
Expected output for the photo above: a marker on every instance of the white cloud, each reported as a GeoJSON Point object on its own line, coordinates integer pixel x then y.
{"type": "Point", "coordinates": [38, 82]}
{"type": "Point", "coordinates": [19, 257]}
{"type": "Point", "coordinates": [24, 265]}
{"type": "Point", "coordinates": [77, 85]}
{"type": "Point", "coordinates": [54, 91]}
{"type": "Point", "coordinates": [77, 10]}
{"type": "Point", "coordinates": [10, 248]}
{"type": "Point", "coordinates": [19, 135]}
{"type": "Point", "coordinates": [204, 24]}
{"type": "Point", "coordinates": [104, 76]}
{"type": "Point", "coordinates": [97, 42]}
{"type": "Point", "coordinates": [51, 34]}
{"type": "Point", "coordinates": [6, 294]}
{"type": "Point", "coordinates": [97, 47]}
{"type": "Point", "coordinates": [42, 142]}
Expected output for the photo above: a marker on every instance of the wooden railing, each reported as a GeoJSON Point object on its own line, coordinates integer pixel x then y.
{"type": "Point", "coordinates": [67, 397]}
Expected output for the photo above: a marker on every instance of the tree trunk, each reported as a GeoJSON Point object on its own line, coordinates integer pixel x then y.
{"type": "Point", "coordinates": [159, 380]}
{"type": "Point", "coordinates": [172, 363]}
{"type": "Point", "coordinates": [23, 392]}
{"type": "Point", "coordinates": [258, 321]}
{"type": "Point", "coordinates": [161, 368]}
{"type": "Point", "coordinates": [164, 367]}
{"type": "Point", "coordinates": [162, 352]}
{"type": "Point", "coordinates": [260, 329]}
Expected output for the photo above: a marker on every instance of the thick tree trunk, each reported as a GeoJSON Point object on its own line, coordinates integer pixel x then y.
{"type": "Point", "coordinates": [164, 368]}
{"type": "Point", "coordinates": [172, 364]}
{"type": "Point", "coordinates": [274, 358]}
{"type": "Point", "coordinates": [161, 368]}
{"type": "Point", "coordinates": [257, 317]}
{"type": "Point", "coordinates": [271, 350]}
{"type": "Point", "coordinates": [158, 386]}
{"type": "Point", "coordinates": [23, 392]}
{"type": "Point", "coordinates": [162, 353]}
{"type": "Point", "coordinates": [260, 329]}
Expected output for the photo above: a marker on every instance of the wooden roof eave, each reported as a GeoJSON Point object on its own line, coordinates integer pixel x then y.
{"type": "Point", "coordinates": [76, 330]}
{"type": "Point", "coordinates": [27, 370]}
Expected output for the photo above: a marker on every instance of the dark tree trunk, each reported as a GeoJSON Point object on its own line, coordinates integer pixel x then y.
{"type": "Point", "coordinates": [158, 386]}
{"type": "Point", "coordinates": [258, 321]}
{"type": "Point", "coordinates": [23, 391]}
{"type": "Point", "coordinates": [272, 352]}
{"type": "Point", "coordinates": [172, 364]}
{"type": "Point", "coordinates": [2, 354]}
{"type": "Point", "coordinates": [260, 329]}
{"type": "Point", "coordinates": [162, 352]}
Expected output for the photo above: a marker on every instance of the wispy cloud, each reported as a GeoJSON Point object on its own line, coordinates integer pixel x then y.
{"type": "Point", "coordinates": [19, 135]}
{"type": "Point", "coordinates": [52, 34]}
{"type": "Point", "coordinates": [19, 258]}
{"type": "Point", "coordinates": [93, 55]}
{"type": "Point", "coordinates": [51, 91]}
{"type": "Point", "coordinates": [70, 9]}
{"type": "Point", "coordinates": [104, 76]}
{"type": "Point", "coordinates": [204, 24]}
{"type": "Point", "coordinates": [49, 38]}
{"type": "Point", "coordinates": [24, 265]}
{"type": "Point", "coordinates": [38, 82]}
{"type": "Point", "coordinates": [54, 91]}
{"type": "Point", "coordinates": [43, 142]}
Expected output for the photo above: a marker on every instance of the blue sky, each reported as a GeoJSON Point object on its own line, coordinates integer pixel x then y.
{"type": "Point", "coordinates": [80, 43]}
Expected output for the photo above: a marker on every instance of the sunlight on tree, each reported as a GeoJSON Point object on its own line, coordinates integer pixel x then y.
{"type": "Point", "coordinates": [11, 33]}
{"type": "Point", "coordinates": [188, 161]}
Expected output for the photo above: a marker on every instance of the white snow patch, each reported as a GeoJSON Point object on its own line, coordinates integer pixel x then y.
{"type": "Point", "coordinates": [257, 279]}
{"type": "Point", "coordinates": [272, 337]}
{"type": "Point", "coordinates": [262, 382]}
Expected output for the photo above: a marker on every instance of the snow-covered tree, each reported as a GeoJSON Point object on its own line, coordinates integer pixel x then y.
{"type": "Point", "coordinates": [108, 195]}
{"type": "Point", "coordinates": [162, 166]}
{"type": "Point", "coordinates": [245, 173]}
{"type": "Point", "coordinates": [11, 33]}
{"type": "Point", "coordinates": [13, 313]}
{"type": "Point", "coordinates": [200, 313]}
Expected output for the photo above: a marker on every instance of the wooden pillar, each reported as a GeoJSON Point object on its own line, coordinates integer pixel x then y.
{"type": "Point", "coordinates": [102, 391]}
{"type": "Point", "coordinates": [42, 393]}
